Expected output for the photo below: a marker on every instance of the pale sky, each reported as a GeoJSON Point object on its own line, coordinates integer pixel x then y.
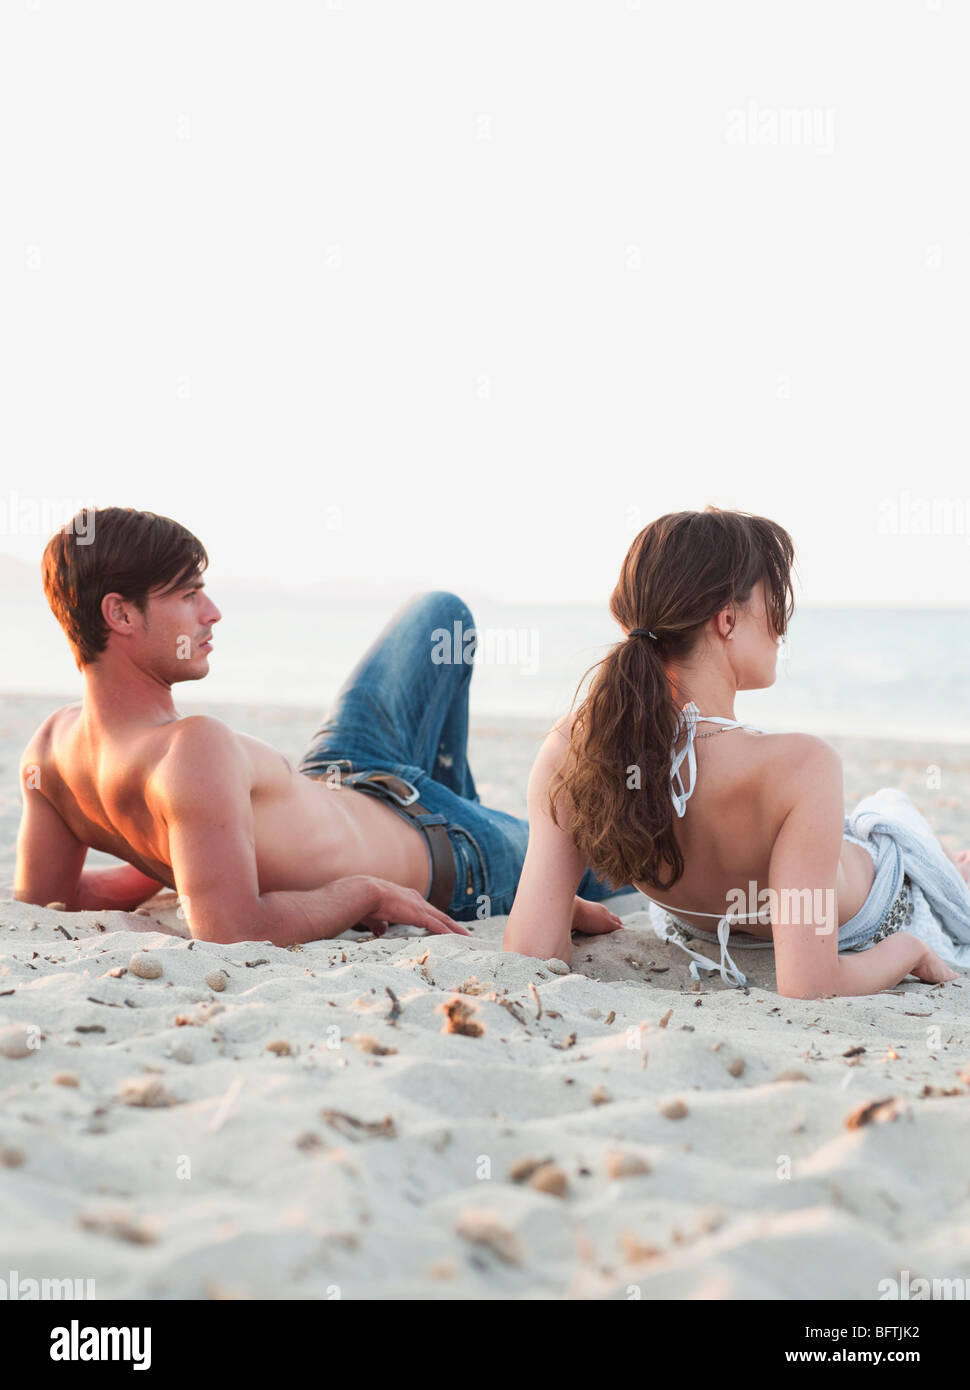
{"type": "Point", "coordinates": [463, 294]}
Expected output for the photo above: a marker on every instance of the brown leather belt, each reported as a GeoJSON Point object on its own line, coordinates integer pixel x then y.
{"type": "Point", "coordinates": [403, 797]}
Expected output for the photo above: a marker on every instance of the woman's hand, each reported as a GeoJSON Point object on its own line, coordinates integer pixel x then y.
{"type": "Point", "coordinates": [593, 919]}
{"type": "Point", "coordinates": [931, 969]}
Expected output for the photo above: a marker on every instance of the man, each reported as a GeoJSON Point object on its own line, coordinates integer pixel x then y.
{"type": "Point", "coordinates": [380, 823]}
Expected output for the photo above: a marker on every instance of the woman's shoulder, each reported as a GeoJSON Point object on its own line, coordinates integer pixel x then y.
{"type": "Point", "coordinates": [564, 726]}
{"type": "Point", "coordinates": [799, 749]}
{"type": "Point", "coordinates": [793, 767]}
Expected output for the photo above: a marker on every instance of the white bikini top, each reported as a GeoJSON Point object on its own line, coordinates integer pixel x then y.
{"type": "Point", "coordinates": [690, 717]}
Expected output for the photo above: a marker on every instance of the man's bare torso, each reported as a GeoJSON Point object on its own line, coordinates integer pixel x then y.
{"type": "Point", "coordinates": [307, 832]}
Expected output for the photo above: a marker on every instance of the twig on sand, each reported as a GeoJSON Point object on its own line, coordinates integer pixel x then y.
{"type": "Point", "coordinates": [224, 1105]}
{"type": "Point", "coordinates": [352, 1128]}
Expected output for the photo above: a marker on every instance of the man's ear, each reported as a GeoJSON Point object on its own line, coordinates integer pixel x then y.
{"type": "Point", "coordinates": [117, 613]}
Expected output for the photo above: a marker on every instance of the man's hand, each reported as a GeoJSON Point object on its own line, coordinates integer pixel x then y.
{"type": "Point", "coordinates": [121, 888]}
{"type": "Point", "coordinates": [593, 919]}
{"type": "Point", "coordinates": [396, 904]}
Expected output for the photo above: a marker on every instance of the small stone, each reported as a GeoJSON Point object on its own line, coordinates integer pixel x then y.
{"type": "Point", "coordinates": [309, 1142]}
{"type": "Point", "coordinates": [11, 1157]}
{"type": "Point", "coordinates": [484, 1228]}
{"type": "Point", "coordinates": [120, 1225]}
{"type": "Point", "coordinates": [635, 1250]}
{"type": "Point", "coordinates": [19, 1040]}
{"type": "Point", "coordinates": [65, 1078]}
{"type": "Point", "coordinates": [57, 907]}
{"type": "Point", "coordinates": [217, 980]}
{"type": "Point", "coordinates": [523, 1168]}
{"type": "Point", "coordinates": [673, 1109]}
{"type": "Point", "coordinates": [280, 1046]}
{"type": "Point", "coordinates": [557, 967]}
{"type": "Point", "coordinates": [473, 985]}
{"type": "Point", "coordinates": [736, 1066]}
{"type": "Point", "coordinates": [550, 1178]}
{"type": "Point", "coordinates": [366, 1043]}
{"type": "Point", "coordinates": [873, 1112]}
{"type": "Point", "coordinates": [793, 1074]}
{"type": "Point", "coordinates": [118, 971]}
{"type": "Point", "coordinates": [146, 967]}
{"type": "Point", "coordinates": [601, 1096]}
{"type": "Point", "coordinates": [145, 1091]}
{"type": "Point", "coordinates": [226, 1293]}
{"type": "Point", "coordinates": [625, 1165]}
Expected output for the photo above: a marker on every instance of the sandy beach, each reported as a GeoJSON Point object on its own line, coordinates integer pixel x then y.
{"type": "Point", "coordinates": [425, 1117]}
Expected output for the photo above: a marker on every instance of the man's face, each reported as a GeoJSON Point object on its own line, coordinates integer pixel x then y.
{"type": "Point", "coordinates": [178, 626]}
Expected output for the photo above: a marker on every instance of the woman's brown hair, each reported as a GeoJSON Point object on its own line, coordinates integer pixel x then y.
{"type": "Point", "coordinates": [113, 550]}
{"type": "Point", "coordinates": [680, 571]}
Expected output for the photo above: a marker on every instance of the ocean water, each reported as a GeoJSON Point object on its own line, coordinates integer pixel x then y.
{"type": "Point", "coordinates": [901, 673]}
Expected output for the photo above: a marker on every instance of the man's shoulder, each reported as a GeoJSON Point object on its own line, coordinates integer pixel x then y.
{"type": "Point", "coordinates": [38, 749]}
{"type": "Point", "coordinates": [202, 753]}
{"type": "Point", "coordinates": [197, 737]}
{"type": "Point", "coordinates": [196, 728]}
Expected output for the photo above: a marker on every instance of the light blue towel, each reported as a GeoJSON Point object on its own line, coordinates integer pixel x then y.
{"type": "Point", "coordinates": [902, 841]}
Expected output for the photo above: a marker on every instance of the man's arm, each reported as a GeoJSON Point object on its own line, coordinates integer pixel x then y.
{"type": "Point", "coordinates": [201, 790]}
{"type": "Point", "coordinates": [805, 856]}
{"type": "Point", "coordinates": [50, 857]}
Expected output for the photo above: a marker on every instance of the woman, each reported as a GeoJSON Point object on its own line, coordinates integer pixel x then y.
{"type": "Point", "coordinates": [653, 781]}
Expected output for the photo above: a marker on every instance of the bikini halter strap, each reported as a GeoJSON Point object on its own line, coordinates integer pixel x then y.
{"type": "Point", "coordinates": [689, 717]}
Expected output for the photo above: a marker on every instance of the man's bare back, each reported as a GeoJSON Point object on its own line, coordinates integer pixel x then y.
{"type": "Point", "coordinates": [329, 856]}
{"type": "Point", "coordinates": [307, 832]}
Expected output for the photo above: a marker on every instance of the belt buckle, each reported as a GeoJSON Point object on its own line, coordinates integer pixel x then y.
{"type": "Point", "coordinates": [405, 800]}
{"type": "Point", "coordinates": [380, 779]}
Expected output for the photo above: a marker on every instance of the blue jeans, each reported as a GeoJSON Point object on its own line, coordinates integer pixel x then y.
{"type": "Point", "coordinates": [404, 710]}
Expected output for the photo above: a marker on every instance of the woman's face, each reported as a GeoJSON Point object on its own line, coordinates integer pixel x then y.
{"type": "Point", "coordinates": [754, 644]}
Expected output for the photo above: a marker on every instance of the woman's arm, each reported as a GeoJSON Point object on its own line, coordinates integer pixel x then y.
{"type": "Point", "coordinates": [804, 909]}
{"type": "Point", "coordinates": [542, 914]}
{"type": "Point", "coordinates": [890, 961]}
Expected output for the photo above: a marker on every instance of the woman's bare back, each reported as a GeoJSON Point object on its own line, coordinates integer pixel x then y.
{"type": "Point", "coordinates": [730, 825]}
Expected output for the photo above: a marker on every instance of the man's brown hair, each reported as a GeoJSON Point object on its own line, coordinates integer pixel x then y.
{"type": "Point", "coordinates": [113, 550]}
